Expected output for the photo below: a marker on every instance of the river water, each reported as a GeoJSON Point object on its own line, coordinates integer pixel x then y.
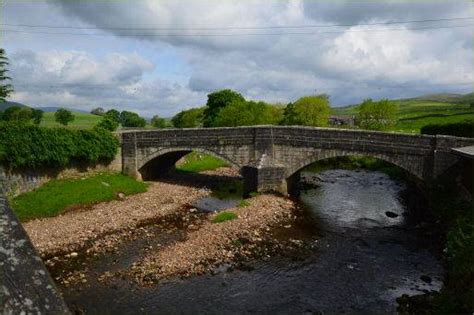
{"type": "Point", "coordinates": [364, 257]}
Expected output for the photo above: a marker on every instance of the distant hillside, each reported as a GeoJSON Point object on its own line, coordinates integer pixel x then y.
{"type": "Point", "coordinates": [5, 105]}
{"type": "Point", "coordinates": [414, 113]}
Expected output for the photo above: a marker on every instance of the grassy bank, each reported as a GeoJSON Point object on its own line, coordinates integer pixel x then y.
{"type": "Point", "coordinates": [58, 196]}
{"type": "Point", "coordinates": [199, 162]}
{"type": "Point", "coordinates": [81, 120]}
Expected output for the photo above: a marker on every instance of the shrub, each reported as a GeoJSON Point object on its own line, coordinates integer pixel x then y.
{"type": "Point", "coordinates": [108, 123]}
{"type": "Point", "coordinates": [27, 145]}
{"type": "Point", "coordinates": [459, 129]}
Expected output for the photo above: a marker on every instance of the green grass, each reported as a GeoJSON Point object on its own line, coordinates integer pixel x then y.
{"type": "Point", "coordinates": [57, 196]}
{"type": "Point", "coordinates": [224, 216]}
{"type": "Point", "coordinates": [243, 203]}
{"type": "Point", "coordinates": [414, 114]}
{"type": "Point", "coordinates": [199, 162]}
{"type": "Point", "coordinates": [82, 120]}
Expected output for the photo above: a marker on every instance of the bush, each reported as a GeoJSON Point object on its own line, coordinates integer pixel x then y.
{"type": "Point", "coordinates": [460, 129]}
{"type": "Point", "coordinates": [308, 111]}
{"type": "Point", "coordinates": [190, 118]}
{"type": "Point", "coordinates": [26, 145]}
{"type": "Point", "coordinates": [381, 115]}
{"type": "Point", "coordinates": [108, 123]}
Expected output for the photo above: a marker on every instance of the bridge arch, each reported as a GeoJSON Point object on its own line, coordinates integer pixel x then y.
{"type": "Point", "coordinates": [160, 161]}
{"type": "Point", "coordinates": [407, 163]}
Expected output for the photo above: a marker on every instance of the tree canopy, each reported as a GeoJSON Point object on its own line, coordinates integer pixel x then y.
{"type": "Point", "coordinates": [159, 122]}
{"type": "Point", "coordinates": [130, 119]}
{"type": "Point", "coordinates": [248, 113]}
{"type": "Point", "coordinates": [63, 116]}
{"type": "Point", "coordinates": [215, 102]}
{"type": "Point", "coordinates": [191, 118]}
{"type": "Point", "coordinates": [308, 111]}
{"type": "Point", "coordinates": [381, 115]}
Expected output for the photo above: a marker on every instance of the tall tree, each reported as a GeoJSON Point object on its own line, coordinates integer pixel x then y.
{"type": "Point", "coordinates": [248, 113]}
{"type": "Point", "coordinates": [5, 88]}
{"type": "Point", "coordinates": [216, 101]}
{"type": "Point", "coordinates": [159, 122]}
{"type": "Point", "coordinates": [381, 115]}
{"type": "Point", "coordinates": [308, 111]}
{"type": "Point", "coordinates": [37, 116]}
{"type": "Point", "coordinates": [63, 116]}
{"type": "Point", "coordinates": [190, 118]}
{"type": "Point", "coordinates": [130, 119]}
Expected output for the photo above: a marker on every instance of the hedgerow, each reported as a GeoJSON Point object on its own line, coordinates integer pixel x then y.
{"type": "Point", "coordinates": [30, 146]}
{"type": "Point", "coordinates": [460, 129]}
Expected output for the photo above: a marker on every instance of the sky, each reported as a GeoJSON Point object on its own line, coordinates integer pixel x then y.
{"type": "Point", "coordinates": [160, 57]}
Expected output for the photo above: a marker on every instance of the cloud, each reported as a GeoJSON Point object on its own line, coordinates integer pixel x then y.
{"type": "Point", "coordinates": [351, 64]}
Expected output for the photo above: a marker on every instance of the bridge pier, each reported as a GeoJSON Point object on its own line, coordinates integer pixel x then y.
{"type": "Point", "coordinates": [264, 179]}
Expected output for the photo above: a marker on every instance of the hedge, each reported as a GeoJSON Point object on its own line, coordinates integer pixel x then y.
{"type": "Point", "coordinates": [460, 129]}
{"type": "Point", "coordinates": [30, 146]}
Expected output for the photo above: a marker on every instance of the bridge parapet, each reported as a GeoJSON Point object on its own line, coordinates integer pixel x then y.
{"type": "Point", "coordinates": [271, 156]}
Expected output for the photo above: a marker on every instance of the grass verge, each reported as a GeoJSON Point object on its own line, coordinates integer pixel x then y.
{"type": "Point", "coordinates": [224, 216]}
{"type": "Point", "coordinates": [199, 162]}
{"type": "Point", "coordinates": [59, 195]}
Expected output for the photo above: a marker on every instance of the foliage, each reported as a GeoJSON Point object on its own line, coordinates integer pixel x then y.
{"type": "Point", "coordinates": [243, 203]}
{"type": "Point", "coordinates": [159, 122]}
{"type": "Point", "coordinates": [17, 113]}
{"type": "Point", "coordinates": [224, 216]}
{"type": "Point", "coordinates": [216, 101]}
{"type": "Point", "coordinates": [381, 115]}
{"type": "Point", "coordinates": [57, 196]}
{"type": "Point", "coordinates": [99, 111]}
{"type": "Point", "coordinates": [63, 116]}
{"type": "Point", "coordinates": [6, 89]}
{"type": "Point", "coordinates": [37, 116]}
{"type": "Point", "coordinates": [191, 118]}
{"type": "Point", "coordinates": [108, 123]}
{"type": "Point", "coordinates": [27, 145]}
{"type": "Point", "coordinates": [247, 113]}
{"type": "Point", "coordinates": [130, 119]}
{"type": "Point", "coordinates": [198, 162]}
{"type": "Point", "coordinates": [113, 114]}
{"type": "Point", "coordinates": [460, 129]}
{"type": "Point", "coordinates": [308, 111]}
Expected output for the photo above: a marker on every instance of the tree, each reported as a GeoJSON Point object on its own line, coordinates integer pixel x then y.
{"type": "Point", "coordinates": [130, 119]}
{"type": "Point", "coordinates": [17, 113]}
{"type": "Point", "coordinates": [216, 101]}
{"type": "Point", "coordinates": [63, 116]}
{"type": "Point", "coordinates": [191, 118]}
{"type": "Point", "coordinates": [5, 88]}
{"type": "Point", "coordinates": [247, 113]}
{"type": "Point", "coordinates": [308, 111]}
{"type": "Point", "coordinates": [37, 116]}
{"type": "Point", "coordinates": [108, 123]}
{"type": "Point", "coordinates": [159, 122]}
{"type": "Point", "coordinates": [99, 111]}
{"type": "Point", "coordinates": [113, 114]}
{"type": "Point", "coordinates": [381, 115]}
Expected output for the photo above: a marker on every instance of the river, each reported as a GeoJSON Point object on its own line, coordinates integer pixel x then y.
{"type": "Point", "coordinates": [365, 255]}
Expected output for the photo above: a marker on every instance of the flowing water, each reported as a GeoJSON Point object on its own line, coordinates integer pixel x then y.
{"type": "Point", "coordinates": [366, 256]}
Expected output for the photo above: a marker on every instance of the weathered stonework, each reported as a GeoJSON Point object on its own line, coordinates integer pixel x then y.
{"type": "Point", "coordinates": [25, 284]}
{"type": "Point", "coordinates": [270, 157]}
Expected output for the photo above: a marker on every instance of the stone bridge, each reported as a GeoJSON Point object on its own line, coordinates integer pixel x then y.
{"type": "Point", "coordinates": [270, 157]}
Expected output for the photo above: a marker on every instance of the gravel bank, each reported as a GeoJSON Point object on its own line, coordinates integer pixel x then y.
{"type": "Point", "coordinates": [75, 230]}
{"type": "Point", "coordinates": [215, 244]}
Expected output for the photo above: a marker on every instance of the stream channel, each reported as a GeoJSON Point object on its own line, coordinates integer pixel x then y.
{"type": "Point", "coordinates": [367, 254]}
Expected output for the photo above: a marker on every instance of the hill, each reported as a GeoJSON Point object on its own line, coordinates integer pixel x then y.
{"type": "Point", "coordinates": [82, 120]}
{"type": "Point", "coordinates": [5, 105]}
{"type": "Point", "coordinates": [417, 112]}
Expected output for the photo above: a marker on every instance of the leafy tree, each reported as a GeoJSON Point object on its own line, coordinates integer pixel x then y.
{"type": "Point", "coordinates": [5, 88]}
{"type": "Point", "coordinates": [37, 116]}
{"type": "Point", "coordinates": [216, 101]}
{"type": "Point", "coordinates": [381, 115]}
{"type": "Point", "coordinates": [108, 123]}
{"type": "Point", "coordinates": [113, 114]}
{"type": "Point", "coordinates": [308, 111]}
{"type": "Point", "coordinates": [63, 116]}
{"type": "Point", "coordinates": [159, 122]}
{"type": "Point", "coordinates": [99, 111]}
{"type": "Point", "coordinates": [130, 119]}
{"type": "Point", "coordinates": [191, 118]}
{"type": "Point", "coordinates": [17, 113]}
{"type": "Point", "coordinates": [247, 113]}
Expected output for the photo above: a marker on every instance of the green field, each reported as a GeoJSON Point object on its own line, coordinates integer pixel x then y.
{"type": "Point", "coordinates": [414, 113]}
{"type": "Point", "coordinates": [198, 162]}
{"type": "Point", "coordinates": [60, 195]}
{"type": "Point", "coordinates": [82, 120]}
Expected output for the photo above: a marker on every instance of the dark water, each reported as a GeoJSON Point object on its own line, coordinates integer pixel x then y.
{"type": "Point", "coordinates": [362, 262]}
